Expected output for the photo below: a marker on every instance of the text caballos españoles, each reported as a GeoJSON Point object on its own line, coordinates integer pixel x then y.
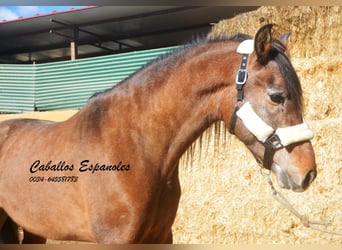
{"type": "Point", "coordinates": [84, 166]}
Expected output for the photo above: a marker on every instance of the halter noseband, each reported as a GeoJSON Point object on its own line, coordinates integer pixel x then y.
{"type": "Point", "coordinates": [270, 138]}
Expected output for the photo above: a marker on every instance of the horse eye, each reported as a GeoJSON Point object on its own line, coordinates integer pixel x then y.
{"type": "Point", "coordinates": [277, 98]}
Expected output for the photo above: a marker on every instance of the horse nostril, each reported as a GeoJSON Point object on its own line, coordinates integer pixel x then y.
{"type": "Point", "coordinates": [309, 178]}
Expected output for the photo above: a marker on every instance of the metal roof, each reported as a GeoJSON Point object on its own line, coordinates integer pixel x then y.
{"type": "Point", "coordinates": [106, 30]}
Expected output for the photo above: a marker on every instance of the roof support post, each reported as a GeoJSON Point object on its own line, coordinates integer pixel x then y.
{"type": "Point", "coordinates": [74, 43]}
{"type": "Point", "coordinates": [74, 38]}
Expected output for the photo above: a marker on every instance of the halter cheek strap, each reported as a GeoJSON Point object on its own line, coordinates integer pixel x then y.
{"type": "Point", "coordinates": [271, 139]}
{"type": "Point", "coordinates": [245, 48]}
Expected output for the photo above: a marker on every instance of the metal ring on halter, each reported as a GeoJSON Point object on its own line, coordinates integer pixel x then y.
{"type": "Point", "coordinates": [272, 144]}
{"type": "Point", "coordinates": [273, 141]}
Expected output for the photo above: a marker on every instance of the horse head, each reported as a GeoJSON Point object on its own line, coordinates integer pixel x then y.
{"type": "Point", "coordinates": [268, 114]}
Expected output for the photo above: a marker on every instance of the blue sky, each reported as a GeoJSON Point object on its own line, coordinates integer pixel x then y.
{"type": "Point", "coordinates": [13, 12]}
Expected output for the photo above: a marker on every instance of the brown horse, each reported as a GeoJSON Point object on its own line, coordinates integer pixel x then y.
{"type": "Point", "coordinates": [109, 174]}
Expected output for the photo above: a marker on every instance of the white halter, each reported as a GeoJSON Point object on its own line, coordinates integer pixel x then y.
{"type": "Point", "coordinates": [262, 131]}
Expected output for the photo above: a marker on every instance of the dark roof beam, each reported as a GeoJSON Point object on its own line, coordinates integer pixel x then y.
{"type": "Point", "coordinates": [103, 39]}
{"type": "Point", "coordinates": [61, 34]}
{"type": "Point", "coordinates": [74, 27]}
{"type": "Point", "coordinates": [104, 48]}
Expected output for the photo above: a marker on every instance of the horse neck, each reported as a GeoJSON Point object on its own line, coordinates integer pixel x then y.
{"type": "Point", "coordinates": [171, 102]}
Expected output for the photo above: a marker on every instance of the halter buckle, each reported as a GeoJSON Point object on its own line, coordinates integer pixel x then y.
{"type": "Point", "coordinates": [273, 141]}
{"type": "Point", "coordinates": [241, 77]}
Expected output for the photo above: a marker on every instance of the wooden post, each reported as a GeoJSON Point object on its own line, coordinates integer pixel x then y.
{"type": "Point", "coordinates": [73, 50]}
{"type": "Point", "coordinates": [74, 43]}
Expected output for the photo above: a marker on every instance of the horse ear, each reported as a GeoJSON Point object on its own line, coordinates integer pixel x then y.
{"type": "Point", "coordinates": [284, 39]}
{"type": "Point", "coordinates": [262, 44]}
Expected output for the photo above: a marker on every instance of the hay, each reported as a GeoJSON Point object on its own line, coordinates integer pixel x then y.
{"type": "Point", "coordinates": [315, 31]}
{"type": "Point", "coordinates": [320, 77]}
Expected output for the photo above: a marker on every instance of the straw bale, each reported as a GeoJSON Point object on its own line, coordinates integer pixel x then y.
{"type": "Point", "coordinates": [320, 77]}
{"type": "Point", "coordinates": [315, 31]}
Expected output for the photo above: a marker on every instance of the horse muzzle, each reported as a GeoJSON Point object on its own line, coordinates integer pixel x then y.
{"type": "Point", "coordinates": [297, 183]}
